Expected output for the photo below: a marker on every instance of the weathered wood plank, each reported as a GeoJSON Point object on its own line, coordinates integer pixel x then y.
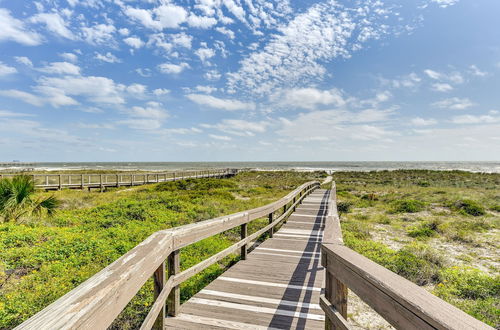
{"type": "Point", "coordinates": [339, 321]}
{"type": "Point", "coordinates": [401, 302]}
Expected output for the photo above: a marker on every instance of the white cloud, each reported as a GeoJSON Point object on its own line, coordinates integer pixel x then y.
{"type": "Point", "coordinates": [212, 75]}
{"type": "Point", "coordinates": [454, 103]}
{"type": "Point", "coordinates": [54, 24]}
{"type": "Point", "coordinates": [137, 89]}
{"type": "Point", "coordinates": [218, 103]}
{"type": "Point", "coordinates": [474, 70]}
{"type": "Point", "coordinates": [220, 137]}
{"type": "Point", "coordinates": [159, 18]}
{"type": "Point", "coordinates": [10, 114]}
{"type": "Point", "coordinates": [143, 72]}
{"type": "Point", "coordinates": [69, 57]}
{"type": "Point", "coordinates": [206, 89]}
{"type": "Point", "coordinates": [445, 3]}
{"type": "Point", "coordinates": [240, 127]}
{"type": "Point", "coordinates": [205, 53]}
{"type": "Point", "coordinates": [108, 57]}
{"type": "Point", "coordinates": [6, 70]}
{"type": "Point", "coordinates": [124, 32]}
{"type": "Point", "coordinates": [473, 119]}
{"type": "Point", "coordinates": [201, 21]}
{"type": "Point", "coordinates": [227, 32]}
{"type": "Point", "coordinates": [442, 87]}
{"type": "Point", "coordinates": [134, 42]}
{"type": "Point", "coordinates": [308, 98]}
{"type": "Point", "coordinates": [149, 117]}
{"type": "Point", "coordinates": [423, 122]}
{"type": "Point", "coordinates": [23, 60]}
{"type": "Point", "coordinates": [60, 68]}
{"type": "Point", "coordinates": [433, 74]}
{"type": "Point", "coordinates": [452, 77]}
{"type": "Point", "coordinates": [161, 91]}
{"type": "Point", "coordinates": [170, 68]}
{"type": "Point", "coordinates": [15, 30]}
{"type": "Point", "coordinates": [295, 55]}
{"type": "Point", "coordinates": [99, 34]}
{"type": "Point", "coordinates": [409, 81]}
{"type": "Point", "coordinates": [341, 125]}
{"type": "Point", "coordinates": [23, 96]}
{"type": "Point", "coordinates": [58, 90]}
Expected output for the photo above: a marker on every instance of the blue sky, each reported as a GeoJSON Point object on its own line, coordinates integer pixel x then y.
{"type": "Point", "coordinates": [222, 80]}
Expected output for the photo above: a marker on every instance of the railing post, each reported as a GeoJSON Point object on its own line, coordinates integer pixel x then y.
{"type": "Point", "coordinates": [244, 248]}
{"type": "Point", "coordinates": [132, 179]}
{"type": "Point", "coordinates": [60, 182]}
{"type": "Point", "coordinates": [117, 181]}
{"type": "Point", "coordinates": [159, 281]}
{"type": "Point", "coordinates": [174, 298]}
{"type": "Point", "coordinates": [46, 180]}
{"type": "Point", "coordinates": [173, 176]}
{"type": "Point", "coordinates": [271, 230]}
{"type": "Point", "coordinates": [284, 211]}
{"type": "Point", "coordinates": [81, 183]}
{"type": "Point", "coordinates": [335, 293]}
{"type": "Point", "coordinates": [294, 206]}
{"type": "Point", "coordinates": [100, 183]}
{"type": "Point", "coordinates": [157, 178]}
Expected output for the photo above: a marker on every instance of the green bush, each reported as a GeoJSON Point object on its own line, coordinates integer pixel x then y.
{"type": "Point", "coordinates": [471, 290]}
{"type": "Point", "coordinates": [344, 207]}
{"type": "Point", "coordinates": [424, 229]}
{"type": "Point", "coordinates": [407, 206]}
{"type": "Point", "coordinates": [469, 207]}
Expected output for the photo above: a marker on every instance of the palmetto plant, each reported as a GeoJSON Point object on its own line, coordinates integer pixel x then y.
{"type": "Point", "coordinates": [17, 200]}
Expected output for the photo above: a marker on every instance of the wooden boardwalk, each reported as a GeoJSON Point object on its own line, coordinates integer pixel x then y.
{"type": "Point", "coordinates": [277, 287]}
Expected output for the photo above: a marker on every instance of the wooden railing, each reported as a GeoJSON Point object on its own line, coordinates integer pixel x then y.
{"type": "Point", "coordinates": [399, 301]}
{"type": "Point", "coordinates": [122, 179]}
{"type": "Point", "coordinates": [95, 303]}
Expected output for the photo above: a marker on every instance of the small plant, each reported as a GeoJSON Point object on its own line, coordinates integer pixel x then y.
{"type": "Point", "coordinates": [470, 207]}
{"type": "Point", "coordinates": [344, 207]}
{"type": "Point", "coordinates": [407, 206]}
{"type": "Point", "coordinates": [495, 208]}
{"type": "Point", "coordinates": [424, 229]}
{"type": "Point", "coordinates": [16, 199]}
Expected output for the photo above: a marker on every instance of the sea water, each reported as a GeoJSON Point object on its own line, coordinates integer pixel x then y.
{"type": "Point", "coordinates": [486, 167]}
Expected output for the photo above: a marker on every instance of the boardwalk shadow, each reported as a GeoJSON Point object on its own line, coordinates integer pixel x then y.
{"type": "Point", "coordinates": [305, 274]}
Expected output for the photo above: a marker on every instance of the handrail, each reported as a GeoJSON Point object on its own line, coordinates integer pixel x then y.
{"type": "Point", "coordinates": [401, 302]}
{"type": "Point", "coordinates": [95, 303]}
{"type": "Point", "coordinates": [59, 181]}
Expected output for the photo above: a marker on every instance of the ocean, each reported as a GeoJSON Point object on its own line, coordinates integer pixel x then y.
{"type": "Point", "coordinates": [486, 167]}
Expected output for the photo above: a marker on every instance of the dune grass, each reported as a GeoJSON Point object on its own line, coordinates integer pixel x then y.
{"type": "Point", "coordinates": [437, 229]}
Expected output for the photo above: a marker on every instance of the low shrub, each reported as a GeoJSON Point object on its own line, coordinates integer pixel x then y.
{"type": "Point", "coordinates": [470, 207]}
{"type": "Point", "coordinates": [424, 229]}
{"type": "Point", "coordinates": [344, 207]}
{"type": "Point", "coordinates": [407, 206]}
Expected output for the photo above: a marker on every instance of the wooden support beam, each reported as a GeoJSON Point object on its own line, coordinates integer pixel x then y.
{"type": "Point", "coordinates": [174, 298]}
{"type": "Point", "coordinates": [60, 182]}
{"type": "Point", "coordinates": [244, 248]}
{"type": "Point", "coordinates": [159, 278]}
{"type": "Point", "coordinates": [271, 231]}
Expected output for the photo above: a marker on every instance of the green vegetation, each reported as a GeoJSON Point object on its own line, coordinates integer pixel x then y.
{"type": "Point", "coordinates": [407, 206]}
{"type": "Point", "coordinates": [437, 229]}
{"type": "Point", "coordinates": [16, 199]}
{"type": "Point", "coordinates": [44, 258]}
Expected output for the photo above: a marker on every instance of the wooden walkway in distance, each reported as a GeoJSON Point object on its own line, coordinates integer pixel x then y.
{"type": "Point", "coordinates": [276, 287]}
